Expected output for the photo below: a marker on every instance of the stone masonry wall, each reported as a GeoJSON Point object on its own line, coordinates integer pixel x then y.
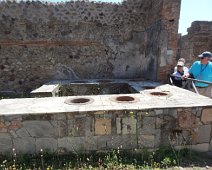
{"type": "Point", "coordinates": [40, 42]}
{"type": "Point", "coordinates": [198, 40]}
{"type": "Point", "coordinates": [106, 130]}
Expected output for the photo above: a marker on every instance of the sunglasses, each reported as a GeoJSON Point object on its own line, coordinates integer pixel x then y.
{"type": "Point", "coordinates": [203, 58]}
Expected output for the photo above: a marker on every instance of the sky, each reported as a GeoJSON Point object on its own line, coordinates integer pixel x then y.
{"type": "Point", "coordinates": [194, 10]}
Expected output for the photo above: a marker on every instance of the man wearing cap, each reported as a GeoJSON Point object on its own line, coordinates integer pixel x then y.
{"type": "Point", "coordinates": [180, 71]}
{"type": "Point", "coordinates": [202, 70]}
{"type": "Point", "coordinates": [185, 69]}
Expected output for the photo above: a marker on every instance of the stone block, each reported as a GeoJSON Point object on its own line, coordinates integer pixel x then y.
{"type": "Point", "coordinates": [186, 119]}
{"type": "Point", "coordinates": [168, 122]}
{"type": "Point", "coordinates": [59, 116]}
{"type": "Point", "coordinates": [129, 125]}
{"type": "Point", "coordinates": [210, 147]}
{"type": "Point", "coordinates": [74, 127]}
{"type": "Point", "coordinates": [89, 126]}
{"type": "Point", "coordinates": [203, 147]}
{"type": "Point", "coordinates": [46, 144]}
{"type": "Point", "coordinates": [79, 126]}
{"type": "Point", "coordinates": [102, 142]}
{"type": "Point", "coordinates": [22, 133]}
{"type": "Point", "coordinates": [2, 125]}
{"type": "Point", "coordinates": [146, 141]}
{"type": "Point", "coordinates": [99, 112]}
{"type": "Point", "coordinates": [118, 125]}
{"type": "Point", "coordinates": [25, 145]}
{"type": "Point", "coordinates": [157, 138]}
{"type": "Point", "coordinates": [158, 122]}
{"type": "Point", "coordinates": [126, 125]}
{"type": "Point", "coordinates": [116, 142]}
{"type": "Point", "coordinates": [102, 126]}
{"type": "Point", "coordinates": [13, 117]}
{"type": "Point", "coordinates": [172, 112]}
{"type": "Point", "coordinates": [123, 142]}
{"type": "Point", "coordinates": [198, 112]}
{"type": "Point", "coordinates": [146, 125]}
{"type": "Point", "coordinates": [15, 124]}
{"type": "Point", "coordinates": [203, 134]}
{"type": "Point", "coordinates": [72, 144]}
{"type": "Point", "coordinates": [206, 115]}
{"type": "Point", "coordinates": [5, 142]}
{"type": "Point", "coordinates": [91, 143]}
{"type": "Point", "coordinates": [40, 128]}
{"type": "Point", "coordinates": [62, 127]}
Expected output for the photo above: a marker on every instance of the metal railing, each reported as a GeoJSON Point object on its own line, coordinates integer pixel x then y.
{"type": "Point", "coordinates": [192, 81]}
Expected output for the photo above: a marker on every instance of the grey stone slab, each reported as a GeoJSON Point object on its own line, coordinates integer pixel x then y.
{"type": "Point", "coordinates": [147, 125]}
{"type": "Point", "coordinates": [24, 145]}
{"type": "Point", "coordinates": [46, 144]}
{"type": "Point", "coordinates": [146, 141]}
{"type": "Point", "coordinates": [5, 142]}
{"type": "Point", "coordinates": [40, 128]}
{"type": "Point", "coordinates": [13, 117]}
{"type": "Point", "coordinates": [90, 143]}
{"type": "Point", "coordinates": [108, 142]}
{"type": "Point", "coordinates": [210, 146]}
{"type": "Point", "coordinates": [203, 134]}
{"type": "Point", "coordinates": [126, 125]}
{"type": "Point", "coordinates": [157, 139]}
{"type": "Point", "coordinates": [203, 147]}
{"type": "Point", "coordinates": [72, 144]}
{"type": "Point", "coordinates": [22, 133]}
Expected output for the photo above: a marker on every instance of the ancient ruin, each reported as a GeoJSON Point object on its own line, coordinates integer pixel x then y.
{"type": "Point", "coordinates": [95, 77]}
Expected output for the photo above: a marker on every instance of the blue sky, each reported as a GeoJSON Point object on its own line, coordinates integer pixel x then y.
{"type": "Point", "coordinates": [194, 10]}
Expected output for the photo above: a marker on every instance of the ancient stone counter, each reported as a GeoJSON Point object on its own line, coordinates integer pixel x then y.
{"type": "Point", "coordinates": [147, 120]}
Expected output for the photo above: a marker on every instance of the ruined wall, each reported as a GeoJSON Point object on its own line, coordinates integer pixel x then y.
{"type": "Point", "coordinates": [40, 42]}
{"type": "Point", "coordinates": [106, 130]}
{"type": "Point", "coordinates": [198, 40]}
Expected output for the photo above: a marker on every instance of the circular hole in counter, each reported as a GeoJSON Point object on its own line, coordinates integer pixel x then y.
{"type": "Point", "coordinates": [158, 94]}
{"type": "Point", "coordinates": [124, 99]}
{"type": "Point", "coordinates": [79, 100]}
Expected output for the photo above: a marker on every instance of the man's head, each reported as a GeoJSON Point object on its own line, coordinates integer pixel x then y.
{"type": "Point", "coordinates": [205, 54]}
{"type": "Point", "coordinates": [205, 57]}
{"type": "Point", "coordinates": [180, 66]}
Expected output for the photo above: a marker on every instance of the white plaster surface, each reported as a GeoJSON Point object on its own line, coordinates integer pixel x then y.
{"type": "Point", "coordinates": [176, 98]}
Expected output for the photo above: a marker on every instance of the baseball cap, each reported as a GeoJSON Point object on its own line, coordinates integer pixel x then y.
{"type": "Point", "coordinates": [180, 63]}
{"type": "Point", "coordinates": [205, 54]}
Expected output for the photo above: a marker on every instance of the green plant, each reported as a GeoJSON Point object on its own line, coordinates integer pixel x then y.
{"type": "Point", "coordinates": [116, 159]}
